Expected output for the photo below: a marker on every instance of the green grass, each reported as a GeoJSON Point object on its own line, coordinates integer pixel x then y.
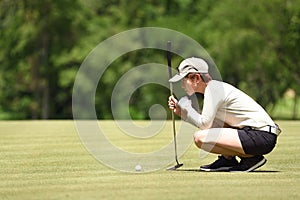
{"type": "Point", "coordinates": [46, 160]}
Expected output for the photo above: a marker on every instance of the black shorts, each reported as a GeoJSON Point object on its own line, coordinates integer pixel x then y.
{"type": "Point", "coordinates": [255, 142]}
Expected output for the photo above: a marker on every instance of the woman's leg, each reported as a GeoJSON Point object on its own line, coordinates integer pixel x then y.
{"type": "Point", "coordinates": [223, 141]}
{"type": "Point", "coordinates": [226, 141]}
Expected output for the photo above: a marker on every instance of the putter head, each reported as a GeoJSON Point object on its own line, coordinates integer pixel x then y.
{"type": "Point", "coordinates": [175, 167]}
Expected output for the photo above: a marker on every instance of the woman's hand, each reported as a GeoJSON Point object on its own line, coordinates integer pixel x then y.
{"type": "Point", "coordinates": [173, 105]}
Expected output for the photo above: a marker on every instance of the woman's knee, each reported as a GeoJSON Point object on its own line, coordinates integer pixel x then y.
{"type": "Point", "coordinates": [199, 137]}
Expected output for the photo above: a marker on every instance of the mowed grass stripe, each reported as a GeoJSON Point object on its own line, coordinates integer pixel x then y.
{"type": "Point", "coordinates": [46, 160]}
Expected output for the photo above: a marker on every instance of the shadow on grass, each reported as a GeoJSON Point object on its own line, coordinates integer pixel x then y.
{"type": "Point", "coordinates": [265, 171]}
{"type": "Point", "coordinates": [198, 170]}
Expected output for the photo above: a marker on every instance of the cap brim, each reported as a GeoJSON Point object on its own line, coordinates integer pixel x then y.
{"type": "Point", "coordinates": [176, 78]}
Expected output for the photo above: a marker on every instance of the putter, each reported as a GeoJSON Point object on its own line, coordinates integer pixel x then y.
{"type": "Point", "coordinates": [172, 113]}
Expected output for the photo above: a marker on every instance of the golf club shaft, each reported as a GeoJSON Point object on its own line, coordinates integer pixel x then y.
{"type": "Point", "coordinates": [171, 93]}
{"type": "Point", "coordinates": [174, 133]}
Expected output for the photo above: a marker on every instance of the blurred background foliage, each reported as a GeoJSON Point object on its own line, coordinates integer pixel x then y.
{"type": "Point", "coordinates": [255, 44]}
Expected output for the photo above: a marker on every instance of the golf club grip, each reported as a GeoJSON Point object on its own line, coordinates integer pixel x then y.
{"type": "Point", "coordinates": [169, 58]}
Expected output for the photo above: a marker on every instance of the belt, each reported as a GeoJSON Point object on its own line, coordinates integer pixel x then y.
{"type": "Point", "coordinates": [271, 129]}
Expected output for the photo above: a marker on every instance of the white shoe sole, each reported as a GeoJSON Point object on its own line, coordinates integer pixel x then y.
{"type": "Point", "coordinates": [221, 169]}
{"type": "Point", "coordinates": [254, 167]}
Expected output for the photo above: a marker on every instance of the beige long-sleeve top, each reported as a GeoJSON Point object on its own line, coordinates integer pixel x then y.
{"type": "Point", "coordinates": [225, 103]}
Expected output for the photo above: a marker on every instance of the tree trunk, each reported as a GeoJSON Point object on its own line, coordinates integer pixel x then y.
{"type": "Point", "coordinates": [295, 107]}
{"type": "Point", "coordinates": [45, 106]}
{"type": "Point", "coordinates": [34, 86]}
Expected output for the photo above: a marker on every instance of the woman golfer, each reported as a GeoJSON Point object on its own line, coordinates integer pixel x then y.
{"type": "Point", "coordinates": [231, 123]}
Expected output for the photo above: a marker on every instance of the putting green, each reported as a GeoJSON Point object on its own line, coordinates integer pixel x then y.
{"type": "Point", "coordinates": [46, 160]}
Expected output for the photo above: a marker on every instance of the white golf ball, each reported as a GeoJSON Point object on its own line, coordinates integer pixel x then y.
{"type": "Point", "coordinates": [138, 168]}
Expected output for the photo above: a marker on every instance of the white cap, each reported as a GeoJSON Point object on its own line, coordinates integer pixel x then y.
{"type": "Point", "coordinates": [190, 65]}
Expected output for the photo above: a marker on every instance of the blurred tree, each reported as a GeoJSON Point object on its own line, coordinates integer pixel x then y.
{"type": "Point", "coordinates": [288, 51]}
{"type": "Point", "coordinates": [43, 43]}
{"type": "Point", "coordinates": [126, 14]}
{"type": "Point", "coordinates": [38, 53]}
{"type": "Point", "coordinates": [244, 38]}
